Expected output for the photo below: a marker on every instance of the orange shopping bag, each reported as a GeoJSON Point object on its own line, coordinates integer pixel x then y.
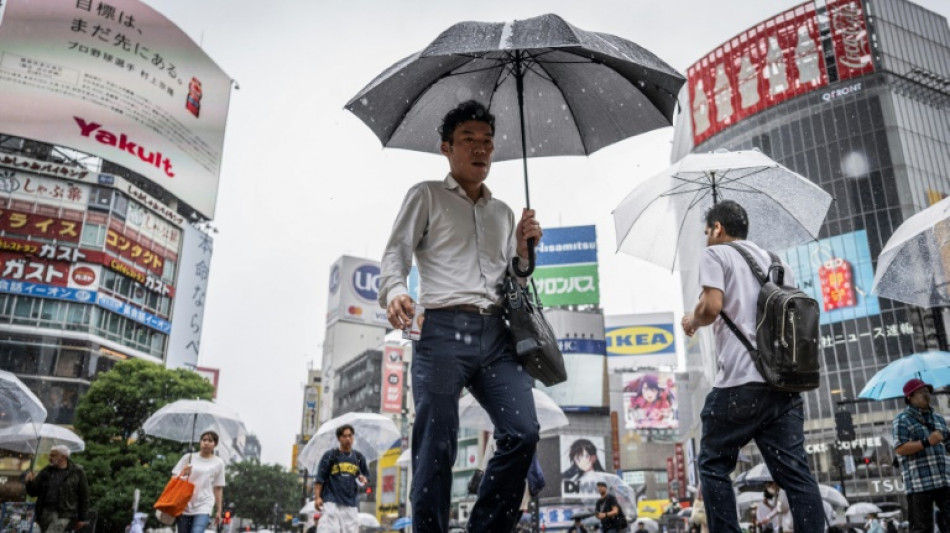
{"type": "Point", "coordinates": [176, 496]}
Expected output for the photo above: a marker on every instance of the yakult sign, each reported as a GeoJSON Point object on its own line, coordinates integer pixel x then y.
{"type": "Point", "coordinates": [353, 292]}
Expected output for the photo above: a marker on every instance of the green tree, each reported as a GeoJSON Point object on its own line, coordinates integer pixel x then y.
{"type": "Point", "coordinates": [254, 489]}
{"type": "Point", "coordinates": [119, 458]}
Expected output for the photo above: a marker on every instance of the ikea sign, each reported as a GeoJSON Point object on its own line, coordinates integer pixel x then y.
{"type": "Point", "coordinates": [641, 340]}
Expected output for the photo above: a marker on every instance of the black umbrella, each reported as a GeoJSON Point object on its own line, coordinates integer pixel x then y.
{"type": "Point", "coordinates": [575, 91]}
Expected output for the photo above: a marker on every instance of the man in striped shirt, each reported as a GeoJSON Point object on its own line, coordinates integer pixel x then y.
{"type": "Point", "coordinates": [919, 436]}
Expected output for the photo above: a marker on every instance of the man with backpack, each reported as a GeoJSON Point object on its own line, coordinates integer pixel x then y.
{"type": "Point", "coordinates": [340, 474]}
{"type": "Point", "coordinates": [753, 396]}
{"type": "Point", "coordinates": [612, 519]}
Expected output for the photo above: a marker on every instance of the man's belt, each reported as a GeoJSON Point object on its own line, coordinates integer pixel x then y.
{"type": "Point", "coordinates": [491, 310]}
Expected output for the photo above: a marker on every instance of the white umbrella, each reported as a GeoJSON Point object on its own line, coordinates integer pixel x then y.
{"type": "Point", "coordinates": [914, 265]}
{"type": "Point", "coordinates": [373, 433]}
{"type": "Point", "coordinates": [405, 458]}
{"type": "Point", "coordinates": [18, 404]}
{"type": "Point", "coordinates": [784, 208]}
{"type": "Point", "coordinates": [550, 416]}
{"type": "Point", "coordinates": [25, 438]}
{"type": "Point", "coordinates": [648, 523]}
{"type": "Point", "coordinates": [862, 508]}
{"type": "Point", "coordinates": [832, 496]}
{"type": "Point", "coordinates": [186, 420]}
{"type": "Point", "coordinates": [744, 500]}
{"type": "Point", "coordinates": [367, 520]}
{"type": "Point", "coordinates": [308, 508]}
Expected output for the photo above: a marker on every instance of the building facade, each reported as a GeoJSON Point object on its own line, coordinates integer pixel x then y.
{"type": "Point", "coordinates": [855, 96]}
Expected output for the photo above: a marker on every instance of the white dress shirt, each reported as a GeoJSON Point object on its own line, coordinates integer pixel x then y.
{"type": "Point", "coordinates": [462, 247]}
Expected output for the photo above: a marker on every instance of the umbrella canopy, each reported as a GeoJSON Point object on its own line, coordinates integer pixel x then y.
{"type": "Point", "coordinates": [25, 438]}
{"type": "Point", "coordinates": [186, 420]}
{"type": "Point", "coordinates": [754, 477]}
{"type": "Point", "coordinates": [648, 523]}
{"type": "Point", "coordinates": [832, 496]}
{"type": "Point", "coordinates": [402, 522]}
{"type": "Point", "coordinates": [914, 265]}
{"type": "Point", "coordinates": [862, 508]}
{"type": "Point", "coordinates": [932, 367]}
{"type": "Point", "coordinates": [405, 458]}
{"type": "Point", "coordinates": [308, 508]}
{"type": "Point", "coordinates": [367, 520]}
{"type": "Point", "coordinates": [661, 220]}
{"type": "Point", "coordinates": [550, 416]}
{"type": "Point", "coordinates": [373, 433]}
{"type": "Point", "coordinates": [18, 404]}
{"type": "Point", "coordinates": [744, 500]}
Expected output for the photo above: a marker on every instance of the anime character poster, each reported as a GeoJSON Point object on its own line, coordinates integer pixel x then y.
{"type": "Point", "coordinates": [649, 400]}
{"type": "Point", "coordinates": [580, 455]}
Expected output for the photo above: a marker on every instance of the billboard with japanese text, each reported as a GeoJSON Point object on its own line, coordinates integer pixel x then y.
{"type": "Point", "coordinates": [838, 273]}
{"type": "Point", "coordinates": [640, 340]}
{"type": "Point", "coordinates": [566, 271]}
{"type": "Point", "coordinates": [581, 339]}
{"type": "Point", "coordinates": [188, 310]}
{"type": "Point", "coordinates": [118, 80]}
{"type": "Point", "coordinates": [353, 290]}
{"type": "Point", "coordinates": [580, 455]}
{"type": "Point", "coordinates": [776, 60]}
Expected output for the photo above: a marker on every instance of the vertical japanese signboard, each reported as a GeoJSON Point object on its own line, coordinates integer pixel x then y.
{"type": "Point", "coordinates": [566, 272]}
{"type": "Point", "coordinates": [189, 306]}
{"type": "Point", "coordinates": [392, 379]}
{"type": "Point", "coordinates": [775, 60]}
{"type": "Point", "coordinates": [118, 80]}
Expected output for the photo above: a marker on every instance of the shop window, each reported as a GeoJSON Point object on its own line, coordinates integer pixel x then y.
{"type": "Point", "coordinates": [70, 364]}
{"type": "Point", "coordinates": [93, 235]}
{"type": "Point", "coordinates": [109, 279]}
{"type": "Point", "coordinates": [104, 364]}
{"type": "Point", "coordinates": [53, 311]}
{"type": "Point", "coordinates": [168, 271]}
{"type": "Point", "coordinates": [23, 308]}
{"type": "Point", "coordinates": [76, 315]}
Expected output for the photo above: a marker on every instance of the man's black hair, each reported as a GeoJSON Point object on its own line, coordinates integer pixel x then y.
{"type": "Point", "coordinates": [601, 483]}
{"type": "Point", "coordinates": [731, 216]}
{"type": "Point", "coordinates": [469, 110]}
{"type": "Point", "coordinates": [344, 427]}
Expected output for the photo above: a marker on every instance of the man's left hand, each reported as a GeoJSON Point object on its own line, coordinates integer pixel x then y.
{"type": "Point", "coordinates": [687, 324]}
{"type": "Point", "coordinates": [528, 228]}
{"type": "Point", "coordinates": [362, 479]}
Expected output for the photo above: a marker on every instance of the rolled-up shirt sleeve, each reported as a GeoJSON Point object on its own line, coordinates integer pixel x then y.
{"type": "Point", "coordinates": [408, 231]}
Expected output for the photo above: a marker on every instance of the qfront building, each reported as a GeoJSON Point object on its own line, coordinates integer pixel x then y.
{"type": "Point", "coordinates": [854, 95]}
{"type": "Point", "coordinates": [111, 132]}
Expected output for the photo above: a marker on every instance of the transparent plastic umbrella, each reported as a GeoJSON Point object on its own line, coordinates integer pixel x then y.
{"type": "Point", "coordinates": [186, 420]}
{"type": "Point", "coordinates": [914, 265]}
{"type": "Point", "coordinates": [648, 523]}
{"type": "Point", "coordinates": [25, 438]}
{"type": "Point", "coordinates": [661, 220]}
{"type": "Point", "coordinates": [18, 404]}
{"type": "Point", "coordinates": [373, 433]}
{"type": "Point", "coordinates": [624, 493]}
{"type": "Point", "coordinates": [932, 367]}
{"type": "Point", "coordinates": [367, 520]}
{"type": "Point", "coordinates": [550, 415]}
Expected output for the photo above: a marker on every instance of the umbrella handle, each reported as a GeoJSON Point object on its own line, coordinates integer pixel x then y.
{"type": "Point", "coordinates": [516, 268]}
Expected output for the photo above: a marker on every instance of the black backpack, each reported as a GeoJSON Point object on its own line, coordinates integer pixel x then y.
{"type": "Point", "coordinates": [787, 353]}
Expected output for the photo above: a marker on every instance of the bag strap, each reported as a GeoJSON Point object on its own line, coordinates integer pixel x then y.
{"type": "Point", "coordinates": [761, 277]}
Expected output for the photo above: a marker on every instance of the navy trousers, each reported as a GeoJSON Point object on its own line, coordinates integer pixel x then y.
{"type": "Point", "coordinates": [732, 417]}
{"type": "Point", "coordinates": [460, 349]}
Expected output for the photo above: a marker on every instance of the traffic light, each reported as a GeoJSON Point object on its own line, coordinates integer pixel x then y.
{"type": "Point", "coordinates": [844, 426]}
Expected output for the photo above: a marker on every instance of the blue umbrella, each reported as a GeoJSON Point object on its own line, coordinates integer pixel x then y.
{"type": "Point", "coordinates": [931, 367]}
{"type": "Point", "coordinates": [402, 523]}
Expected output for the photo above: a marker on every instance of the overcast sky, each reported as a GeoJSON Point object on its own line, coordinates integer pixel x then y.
{"type": "Point", "coordinates": [304, 182]}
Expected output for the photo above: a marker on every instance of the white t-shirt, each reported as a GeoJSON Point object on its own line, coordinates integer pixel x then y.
{"type": "Point", "coordinates": [205, 474]}
{"type": "Point", "coordinates": [723, 268]}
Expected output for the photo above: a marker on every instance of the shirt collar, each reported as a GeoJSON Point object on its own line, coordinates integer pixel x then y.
{"type": "Point", "coordinates": [453, 185]}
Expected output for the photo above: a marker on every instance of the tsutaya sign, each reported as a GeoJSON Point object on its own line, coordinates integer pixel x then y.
{"type": "Point", "coordinates": [775, 60]}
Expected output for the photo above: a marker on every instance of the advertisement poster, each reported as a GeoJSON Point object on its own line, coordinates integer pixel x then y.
{"type": "Point", "coordinates": [392, 379]}
{"type": "Point", "coordinates": [353, 292]}
{"type": "Point", "coordinates": [838, 273]}
{"type": "Point", "coordinates": [580, 455]}
{"type": "Point", "coordinates": [119, 81]}
{"type": "Point", "coordinates": [649, 400]}
{"type": "Point", "coordinates": [580, 336]}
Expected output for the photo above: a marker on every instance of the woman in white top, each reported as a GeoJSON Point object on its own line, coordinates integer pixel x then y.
{"type": "Point", "coordinates": [206, 471]}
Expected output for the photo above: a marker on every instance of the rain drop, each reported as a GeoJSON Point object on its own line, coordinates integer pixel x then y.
{"type": "Point", "coordinates": [364, 100]}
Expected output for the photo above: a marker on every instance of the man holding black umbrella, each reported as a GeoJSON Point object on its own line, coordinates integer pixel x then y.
{"type": "Point", "coordinates": [920, 437]}
{"type": "Point", "coordinates": [463, 239]}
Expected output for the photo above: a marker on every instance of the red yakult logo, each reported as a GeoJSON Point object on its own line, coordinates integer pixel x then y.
{"type": "Point", "coordinates": [122, 142]}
